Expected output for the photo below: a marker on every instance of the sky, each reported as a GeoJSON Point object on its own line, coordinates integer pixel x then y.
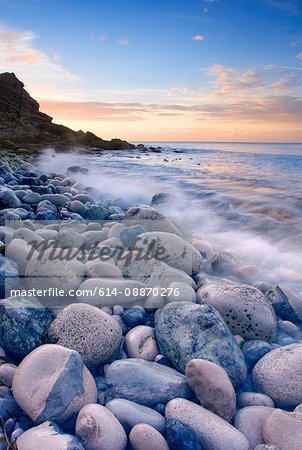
{"type": "Point", "coordinates": [161, 70]}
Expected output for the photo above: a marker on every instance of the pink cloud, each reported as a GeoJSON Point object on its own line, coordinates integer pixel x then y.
{"type": "Point", "coordinates": [198, 37]}
{"type": "Point", "coordinates": [123, 41]}
{"type": "Point", "coordinates": [70, 77]}
{"type": "Point", "coordinates": [102, 38]}
{"type": "Point", "coordinates": [56, 57]}
{"type": "Point", "coordinates": [31, 56]}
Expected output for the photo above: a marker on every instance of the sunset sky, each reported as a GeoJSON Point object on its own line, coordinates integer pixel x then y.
{"type": "Point", "coordinates": [161, 70]}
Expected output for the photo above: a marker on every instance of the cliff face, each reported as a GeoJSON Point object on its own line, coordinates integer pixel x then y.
{"type": "Point", "coordinates": [22, 124]}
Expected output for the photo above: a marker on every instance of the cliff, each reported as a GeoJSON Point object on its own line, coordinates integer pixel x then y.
{"type": "Point", "coordinates": [23, 125]}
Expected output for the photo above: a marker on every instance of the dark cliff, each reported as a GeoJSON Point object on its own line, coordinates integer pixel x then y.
{"type": "Point", "coordinates": [23, 125]}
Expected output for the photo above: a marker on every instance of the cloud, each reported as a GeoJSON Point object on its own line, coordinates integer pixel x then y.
{"type": "Point", "coordinates": [102, 38]}
{"type": "Point", "coordinates": [123, 41]}
{"type": "Point", "coordinates": [198, 37]}
{"type": "Point", "coordinates": [31, 56]}
{"type": "Point", "coordinates": [18, 53]}
{"type": "Point", "coordinates": [299, 56]}
{"type": "Point", "coordinates": [205, 10]}
{"type": "Point", "coordinates": [231, 81]}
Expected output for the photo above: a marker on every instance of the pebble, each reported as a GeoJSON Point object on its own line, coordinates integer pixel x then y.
{"type": "Point", "coordinates": [144, 437]}
{"type": "Point", "coordinates": [278, 374]}
{"type": "Point", "coordinates": [212, 431]}
{"type": "Point", "coordinates": [133, 317]}
{"type": "Point", "coordinates": [186, 331]}
{"type": "Point", "coordinates": [69, 386]}
{"type": "Point", "coordinates": [249, 421]}
{"type": "Point", "coordinates": [181, 436]}
{"type": "Point", "coordinates": [144, 382]}
{"type": "Point", "coordinates": [140, 342]}
{"type": "Point", "coordinates": [212, 387]}
{"type": "Point", "coordinates": [99, 429]}
{"type": "Point", "coordinates": [253, 351]}
{"type": "Point", "coordinates": [253, 399]}
{"type": "Point", "coordinates": [7, 372]}
{"type": "Point", "coordinates": [130, 414]}
{"type": "Point", "coordinates": [88, 330]}
{"type": "Point", "coordinates": [102, 269]}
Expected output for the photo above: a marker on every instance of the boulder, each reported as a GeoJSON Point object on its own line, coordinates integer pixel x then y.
{"type": "Point", "coordinates": [144, 436]}
{"type": "Point", "coordinates": [23, 323]}
{"type": "Point", "coordinates": [130, 414]}
{"type": "Point", "coordinates": [88, 330]}
{"type": "Point", "coordinates": [186, 331]}
{"type": "Point", "coordinates": [212, 387]}
{"type": "Point", "coordinates": [49, 437]}
{"type": "Point", "coordinates": [278, 374]}
{"type": "Point", "coordinates": [180, 436]}
{"type": "Point", "coordinates": [212, 431]}
{"type": "Point", "coordinates": [286, 303]}
{"type": "Point", "coordinates": [244, 308]}
{"type": "Point", "coordinates": [283, 429]}
{"type": "Point", "coordinates": [144, 382]}
{"type": "Point", "coordinates": [249, 421]}
{"type": "Point", "coordinates": [99, 429]}
{"type": "Point", "coordinates": [150, 218]}
{"type": "Point", "coordinates": [52, 383]}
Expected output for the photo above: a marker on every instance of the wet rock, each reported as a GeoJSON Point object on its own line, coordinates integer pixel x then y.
{"type": "Point", "coordinates": [285, 302]}
{"type": "Point", "coordinates": [140, 342]}
{"type": "Point", "coordinates": [181, 436]}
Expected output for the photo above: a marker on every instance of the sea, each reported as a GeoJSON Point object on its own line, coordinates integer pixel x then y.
{"type": "Point", "coordinates": [242, 198]}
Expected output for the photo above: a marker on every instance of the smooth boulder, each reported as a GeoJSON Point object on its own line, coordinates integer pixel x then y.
{"type": "Point", "coordinates": [278, 374]}
{"type": "Point", "coordinates": [250, 420]}
{"type": "Point", "coordinates": [140, 342]}
{"type": "Point", "coordinates": [212, 387]}
{"type": "Point", "coordinates": [143, 437]}
{"type": "Point", "coordinates": [212, 431]}
{"type": "Point", "coordinates": [144, 382]}
{"type": "Point", "coordinates": [52, 383]}
{"type": "Point", "coordinates": [99, 429]}
{"type": "Point", "coordinates": [283, 429]}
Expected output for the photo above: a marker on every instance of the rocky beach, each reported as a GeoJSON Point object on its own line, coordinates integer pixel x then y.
{"type": "Point", "coordinates": [119, 329]}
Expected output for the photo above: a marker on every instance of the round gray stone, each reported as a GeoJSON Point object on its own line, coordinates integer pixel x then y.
{"type": "Point", "coordinates": [143, 437]}
{"type": "Point", "coordinates": [88, 330]}
{"type": "Point", "coordinates": [244, 308]}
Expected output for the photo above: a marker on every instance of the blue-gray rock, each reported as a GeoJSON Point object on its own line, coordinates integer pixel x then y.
{"type": "Point", "coordinates": [286, 303]}
{"type": "Point", "coordinates": [23, 323]}
{"type": "Point", "coordinates": [9, 275]}
{"type": "Point", "coordinates": [130, 414]}
{"type": "Point", "coordinates": [56, 199]}
{"type": "Point", "coordinates": [95, 212]}
{"type": "Point", "coordinates": [253, 351]}
{"type": "Point", "coordinates": [46, 215]}
{"type": "Point", "coordinates": [31, 181]}
{"type": "Point", "coordinates": [43, 178]}
{"type": "Point", "coordinates": [34, 198]}
{"type": "Point", "coordinates": [144, 382]}
{"type": "Point", "coordinates": [8, 406]}
{"type": "Point", "coordinates": [181, 436]}
{"type": "Point", "coordinates": [133, 317]}
{"type": "Point", "coordinates": [186, 331]}
{"type": "Point", "coordinates": [77, 169]}
{"type": "Point", "coordinates": [8, 198]}
{"type": "Point", "coordinates": [69, 386]}
{"type": "Point", "coordinates": [128, 234]}
{"type": "Point", "coordinates": [8, 214]}
{"type": "Point", "coordinates": [47, 436]}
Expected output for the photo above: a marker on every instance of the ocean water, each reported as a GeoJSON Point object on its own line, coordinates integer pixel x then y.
{"type": "Point", "coordinates": [243, 198]}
